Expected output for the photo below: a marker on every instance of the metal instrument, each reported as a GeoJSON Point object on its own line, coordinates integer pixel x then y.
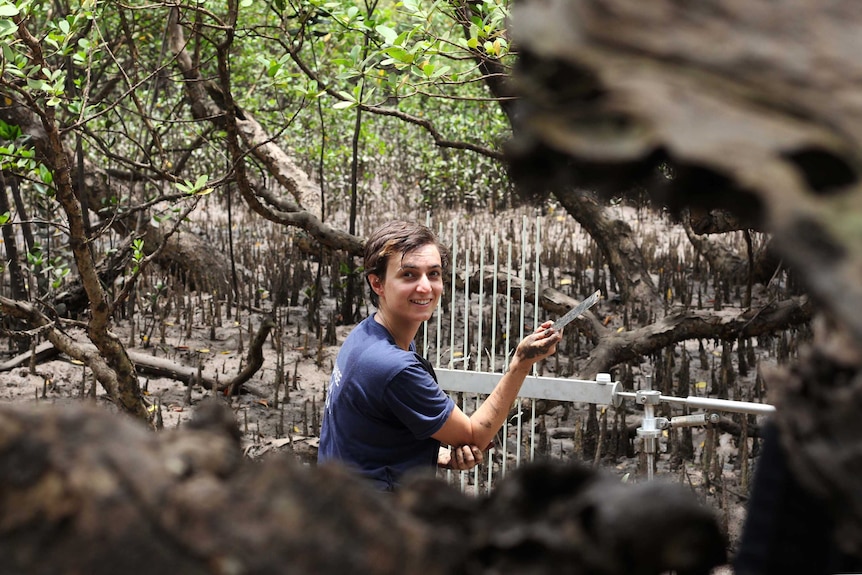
{"type": "Point", "coordinates": [577, 310]}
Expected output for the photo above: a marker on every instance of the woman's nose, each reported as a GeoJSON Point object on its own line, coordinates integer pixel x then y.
{"type": "Point", "coordinates": [424, 283]}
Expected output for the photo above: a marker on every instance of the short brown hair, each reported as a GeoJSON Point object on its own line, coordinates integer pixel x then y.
{"type": "Point", "coordinates": [397, 237]}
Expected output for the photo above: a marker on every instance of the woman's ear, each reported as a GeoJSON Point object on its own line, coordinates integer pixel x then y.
{"type": "Point", "coordinates": [376, 283]}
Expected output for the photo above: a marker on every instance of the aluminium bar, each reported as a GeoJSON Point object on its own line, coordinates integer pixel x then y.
{"type": "Point", "coordinates": [710, 403]}
{"type": "Point", "coordinates": [535, 387]}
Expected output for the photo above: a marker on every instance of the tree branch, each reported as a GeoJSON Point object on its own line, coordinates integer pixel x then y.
{"type": "Point", "coordinates": [423, 123]}
{"type": "Point", "coordinates": [615, 348]}
{"type": "Point", "coordinates": [258, 143]}
{"type": "Point", "coordinates": [113, 369]}
{"type": "Point", "coordinates": [66, 344]}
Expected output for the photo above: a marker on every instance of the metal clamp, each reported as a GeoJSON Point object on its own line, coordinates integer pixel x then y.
{"type": "Point", "coordinates": [652, 426]}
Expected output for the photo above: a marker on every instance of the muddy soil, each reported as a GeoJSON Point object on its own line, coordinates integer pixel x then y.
{"type": "Point", "coordinates": [280, 409]}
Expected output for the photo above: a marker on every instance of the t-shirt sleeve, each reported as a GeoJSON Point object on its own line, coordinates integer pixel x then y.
{"type": "Point", "coordinates": [418, 402]}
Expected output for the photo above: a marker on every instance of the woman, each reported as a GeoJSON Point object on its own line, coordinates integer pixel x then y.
{"type": "Point", "coordinates": [385, 414]}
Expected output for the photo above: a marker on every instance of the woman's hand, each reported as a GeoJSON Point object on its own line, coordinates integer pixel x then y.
{"type": "Point", "coordinates": [460, 458]}
{"type": "Point", "coordinates": [536, 346]}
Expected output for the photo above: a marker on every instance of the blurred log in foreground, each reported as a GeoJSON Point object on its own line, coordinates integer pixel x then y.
{"type": "Point", "coordinates": [84, 491]}
{"type": "Point", "coordinates": [751, 107]}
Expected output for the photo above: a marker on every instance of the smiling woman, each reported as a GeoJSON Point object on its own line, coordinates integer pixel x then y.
{"type": "Point", "coordinates": [408, 292]}
{"type": "Point", "coordinates": [385, 414]}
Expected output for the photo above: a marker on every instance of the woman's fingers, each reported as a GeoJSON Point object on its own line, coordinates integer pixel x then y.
{"type": "Point", "coordinates": [466, 457]}
{"type": "Point", "coordinates": [539, 344]}
{"type": "Point", "coordinates": [477, 454]}
{"type": "Point", "coordinates": [444, 459]}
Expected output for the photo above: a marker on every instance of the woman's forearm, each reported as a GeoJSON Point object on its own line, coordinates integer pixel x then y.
{"type": "Point", "coordinates": [490, 416]}
{"type": "Point", "coordinates": [481, 427]}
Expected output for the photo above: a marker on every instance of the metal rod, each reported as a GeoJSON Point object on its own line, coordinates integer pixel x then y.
{"type": "Point", "coordinates": [522, 312]}
{"type": "Point", "coordinates": [495, 246]}
{"type": "Point", "coordinates": [466, 349]}
{"type": "Point", "coordinates": [452, 306]}
{"type": "Point", "coordinates": [537, 275]}
{"type": "Point", "coordinates": [481, 303]}
{"type": "Point", "coordinates": [476, 469]}
{"type": "Point", "coordinates": [693, 420]}
{"type": "Point", "coordinates": [494, 305]}
{"type": "Point", "coordinates": [648, 427]}
{"type": "Point", "coordinates": [694, 401]}
{"type": "Point", "coordinates": [439, 315]}
{"type": "Point", "coordinates": [729, 405]}
{"type": "Point", "coordinates": [507, 347]}
{"type": "Point", "coordinates": [452, 312]}
{"type": "Point", "coordinates": [425, 342]}
{"type": "Point", "coordinates": [465, 353]}
{"type": "Point", "coordinates": [479, 340]}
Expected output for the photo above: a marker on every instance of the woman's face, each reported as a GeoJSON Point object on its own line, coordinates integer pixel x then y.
{"type": "Point", "coordinates": [413, 285]}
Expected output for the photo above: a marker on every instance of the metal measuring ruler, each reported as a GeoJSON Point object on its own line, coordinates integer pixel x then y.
{"type": "Point", "coordinates": [577, 310]}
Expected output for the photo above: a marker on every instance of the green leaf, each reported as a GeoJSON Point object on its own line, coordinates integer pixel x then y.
{"type": "Point", "coordinates": [7, 27]}
{"type": "Point", "coordinates": [7, 10]}
{"type": "Point", "coordinates": [34, 258]}
{"type": "Point", "coordinates": [399, 54]}
{"type": "Point", "coordinates": [5, 218]}
{"type": "Point", "coordinates": [37, 85]}
{"type": "Point", "coordinates": [45, 174]}
{"type": "Point", "coordinates": [273, 68]}
{"type": "Point", "coordinates": [9, 131]}
{"type": "Point", "coordinates": [346, 95]}
{"type": "Point", "coordinates": [343, 105]}
{"type": "Point", "coordinates": [389, 35]}
{"type": "Point", "coordinates": [442, 70]}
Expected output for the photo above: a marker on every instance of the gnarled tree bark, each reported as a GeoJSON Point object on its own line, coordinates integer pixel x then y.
{"type": "Point", "coordinates": [753, 109]}
{"type": "Point", "coordinates": [112, 368]}
{"type": "Point", "coordinates": [85, 491]}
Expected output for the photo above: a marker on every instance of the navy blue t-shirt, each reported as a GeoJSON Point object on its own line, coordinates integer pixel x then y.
{"type": "Point", "coordinates": [382, 408]}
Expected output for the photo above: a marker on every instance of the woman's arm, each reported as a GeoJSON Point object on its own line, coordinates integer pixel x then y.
{"type": "Point", "coordinates": [480, 428]}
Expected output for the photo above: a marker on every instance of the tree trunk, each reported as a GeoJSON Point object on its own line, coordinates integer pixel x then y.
{"type": "Point", "coordinates": [16, 274]}
{"type": "Point", "coordinates": [747, 110]}
{"type": "Point", "coordinates": [616, 241]}
{"type": "Point", "coordinates": [85, 491]}
{"type": "Point", "coordinates": [117, 374]}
